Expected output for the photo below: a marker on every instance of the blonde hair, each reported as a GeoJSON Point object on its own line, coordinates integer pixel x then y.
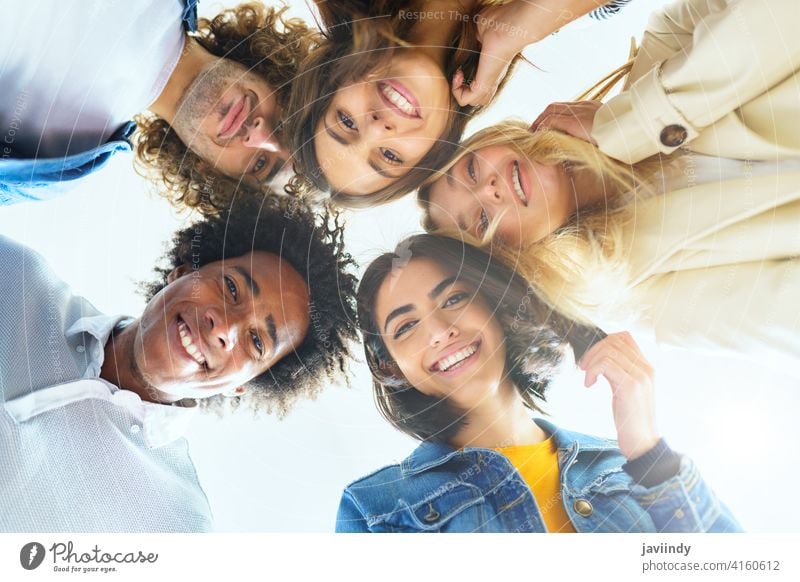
{"type": "Point", "coordinates": [580, 267]}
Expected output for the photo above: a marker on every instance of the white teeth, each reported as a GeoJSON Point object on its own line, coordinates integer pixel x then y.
{"type": "Point", "coordinates": [186, 340]}
{"type": "Point", "coordinates": [398, 99]}
{"type": "Point", "coordinates": [453, 359]}
{"type": "Point", "coordinates": [518, 184]}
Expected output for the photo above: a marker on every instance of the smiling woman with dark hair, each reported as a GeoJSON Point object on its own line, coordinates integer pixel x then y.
{"type": "Point", "coordinates": [391, 86]}
{"type": "Point", "coordinates": [461, 350]}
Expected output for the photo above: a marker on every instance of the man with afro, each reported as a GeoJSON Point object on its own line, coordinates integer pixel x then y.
{"type": "Point", "coordinates": [254, 307]}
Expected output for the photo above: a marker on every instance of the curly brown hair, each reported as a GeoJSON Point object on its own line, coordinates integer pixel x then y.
{"type": "Point", "coordinates": [261, 39]}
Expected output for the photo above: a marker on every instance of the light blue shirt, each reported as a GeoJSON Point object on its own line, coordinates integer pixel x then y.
{"type": "Point", "coordinates": [78, 453]}
{"type": "Point", "coordinates": [27, 176]}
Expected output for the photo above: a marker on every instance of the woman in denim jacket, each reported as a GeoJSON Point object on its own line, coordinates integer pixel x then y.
{"type": "Point", "coordinates": [460, 351]}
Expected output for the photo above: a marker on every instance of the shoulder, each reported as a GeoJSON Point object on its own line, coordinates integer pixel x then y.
{"type": "Point", "coordinates": [387, 474]}
{"type": "Point", "coordinates": [18, 261]}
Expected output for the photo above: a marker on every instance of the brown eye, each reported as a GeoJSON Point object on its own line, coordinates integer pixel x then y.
{"type": "Point", "coordinates": [346, 120]}
{"type": "Point", "coordinates": [390, 156]}
{"type": "Point", "coordinates": [260, 163]}
{"type": "Point", "coordinates": [231, 287]}
{"type": "Point", "coordinates": [259, 345]}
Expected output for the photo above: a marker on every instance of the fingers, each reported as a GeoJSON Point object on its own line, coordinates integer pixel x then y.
{"type": "Point", "coordinates": [575, 119]}
{"type": "Point", "coordinates": [492, 68]}
{"type": "Point", "coordinates": [617, 358]}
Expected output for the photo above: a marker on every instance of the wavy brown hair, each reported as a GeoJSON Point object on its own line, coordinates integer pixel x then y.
{"type": "Point", "coordinates": [261, 39]}
{"type": "Point", "coordinates": [360, 37]}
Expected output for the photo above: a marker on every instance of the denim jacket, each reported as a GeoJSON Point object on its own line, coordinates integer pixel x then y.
{"type": "Point", "coordinates": [441, 489]}
{"type": "Point", "coordinates": [24, 179]}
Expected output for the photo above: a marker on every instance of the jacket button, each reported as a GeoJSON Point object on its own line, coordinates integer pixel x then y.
{"type": "Point", "coordinates": [583, 507]}
{"type": "Point", "coordinates": [433, 515]}
{"type": "Point", "coordinates": [673, 135]}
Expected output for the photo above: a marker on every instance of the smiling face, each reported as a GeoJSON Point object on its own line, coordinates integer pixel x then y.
{"type": "Point", "coordinates": [376, 130]}
{"type": "Point", "coordinates": [211, 330]}
{"type": "Point", "coordinates": [532, 199]}
{"type": "Point", "coordinates": [228, 117]}
{"type": "Point", "coordinates": [440, 333]}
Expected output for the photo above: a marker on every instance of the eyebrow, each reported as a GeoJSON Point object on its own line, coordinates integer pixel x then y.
{"type": "Point", "coordinates": [432, 294]}
{"type": "Point", "coordinates": [383, 171]}
{"type": "Point", "coordinates": [436, 291]}
{"type": "Point", "coordinates": [449, 177]}
{"type": "Point", "coordinates": [254, 288]}
{"type": "Point", "coordinates": [335, 135]}
{"type": "Point", "coordinates": [272, 331]}
{"type": "Point", "coordinates": [396, 313]}
{"type": "Point", "coordinates": [277, 166]}
{"type": "Point", "coordinates": [372, 163]}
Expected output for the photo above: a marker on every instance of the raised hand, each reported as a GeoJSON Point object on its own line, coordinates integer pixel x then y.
{"type": "Point", "coordinates": [618, 359]}
{"type": "Point", "coordinates": [575, 118]}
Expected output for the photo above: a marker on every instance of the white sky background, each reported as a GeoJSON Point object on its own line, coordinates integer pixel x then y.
{"type": "Point", "coordinates": [736, 419]}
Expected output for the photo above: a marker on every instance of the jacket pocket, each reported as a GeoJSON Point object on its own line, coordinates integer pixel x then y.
{"type": "Point", "coordinates": [456, 506]}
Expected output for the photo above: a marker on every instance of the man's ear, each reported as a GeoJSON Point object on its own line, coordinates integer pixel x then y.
{"type": "Point", "coordinates": [238, 391]}
{"type": "Point", "coordinates": [177, 273]}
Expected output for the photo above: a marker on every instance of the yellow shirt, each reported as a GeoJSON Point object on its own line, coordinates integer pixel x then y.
{"type": "Point", "coordinates": [538, 465]}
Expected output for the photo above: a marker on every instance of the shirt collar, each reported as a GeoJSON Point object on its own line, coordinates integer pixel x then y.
{"type": "Point", "coordinates": [432, 454]}
{"type": "Point", "coordinates": [98, 326]}
{"type": "Point", "coordinates": [160, 423]}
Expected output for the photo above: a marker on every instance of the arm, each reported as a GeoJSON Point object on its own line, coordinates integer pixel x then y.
{"type": "Point", "coordinates": [747, 308]}
{"type": "Point", "coordinates": [738, 50]}
{"type": "Point", "coordinates": [350, 518]}
{"type": "Point", "coordinates": [685, 503]}
{"type": "Point", "coordinates": [667, 486]}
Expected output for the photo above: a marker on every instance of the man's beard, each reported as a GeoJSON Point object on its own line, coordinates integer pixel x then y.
{"type": "Point", "coordinates": [202, 99]}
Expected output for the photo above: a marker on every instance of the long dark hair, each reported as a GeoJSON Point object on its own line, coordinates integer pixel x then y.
{"type": "Point", "coordinates": [535, 335]}
{"type": "Point", "coordinates": [358, 38]}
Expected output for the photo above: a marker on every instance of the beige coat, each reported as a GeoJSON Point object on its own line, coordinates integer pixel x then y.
{"type": "Point", "coordinates": [717, 265]}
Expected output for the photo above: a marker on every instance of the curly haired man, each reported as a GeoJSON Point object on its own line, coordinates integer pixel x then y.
{"type": "Point", "coordinates": [209, 95]}
{"type": "Point", "coordinates": [92, 406]}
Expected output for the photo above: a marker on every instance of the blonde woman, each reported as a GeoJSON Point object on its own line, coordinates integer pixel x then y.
{"type": "Point", "coordinates": [677, 202]}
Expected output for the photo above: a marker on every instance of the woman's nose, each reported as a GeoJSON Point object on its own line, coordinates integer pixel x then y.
{"type": "Point", "coordinates": [441, 332]}
{"type": "Point", "coordinates": [489, 189]}
{"type": "Point", "coordinates": [381, 123]}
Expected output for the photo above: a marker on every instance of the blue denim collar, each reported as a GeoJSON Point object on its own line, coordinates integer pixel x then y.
{"type": "Point", "coordinates": [432, 454]}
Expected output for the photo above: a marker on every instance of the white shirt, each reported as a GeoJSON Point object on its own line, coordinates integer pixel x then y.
{"type": "Point", "coordinates": [79, 454]}
{"type": "Point", "coordinates": [74, 72]}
